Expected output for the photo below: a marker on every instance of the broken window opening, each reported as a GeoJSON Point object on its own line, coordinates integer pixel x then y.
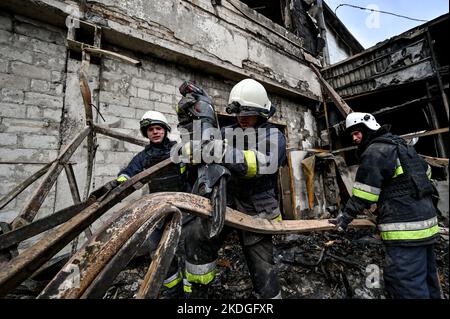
{"type": "Point", "coordinates": [83, 34]}
{"type": "Point", "coordinates": [270, 9]}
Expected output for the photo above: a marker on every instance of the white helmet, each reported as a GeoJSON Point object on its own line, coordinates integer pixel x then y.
{"type": "Point", "coordinates": [251, 96]}
{"type": "Point", "coordinates": [153, 118]}
{"type": "Point", "coordinates": [356, 118]}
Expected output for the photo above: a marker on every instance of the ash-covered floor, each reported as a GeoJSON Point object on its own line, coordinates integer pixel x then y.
{"type": "Point", "coordinates": [322, 265]}
{"type": "Point", "coordinates": [315, 265]}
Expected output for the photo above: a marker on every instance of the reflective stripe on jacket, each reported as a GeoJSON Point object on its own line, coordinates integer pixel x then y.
{"type": "Point", "coordinates": [393, 176]}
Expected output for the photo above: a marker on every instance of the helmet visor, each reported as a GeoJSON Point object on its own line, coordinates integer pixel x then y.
{"type": "Point", "coordinates": [148, 122]}
{"type": "Point", "coordinates": [242, 110]}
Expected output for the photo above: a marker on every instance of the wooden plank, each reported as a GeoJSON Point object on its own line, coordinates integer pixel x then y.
{"type": "Point", "coordinates": [22, 186]}
{"type": "Point", "coordinates": [87, 101]}
{"type": "Point", "coordinates": [342, 106]}
{"type": "Point", "coordinates": [435, 161]}
{"type": "Point", "coordinates": [78, 46]}
{"type": "Point", "coordinates": [118, 135]}
{"type": "Point", "coordinates": [31, 208]}
{"type": "Point", "coordinates": [285, 190]}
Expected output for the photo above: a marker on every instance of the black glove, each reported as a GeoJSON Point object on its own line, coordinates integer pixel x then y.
{"type": "Point", "coordinates": [342, 220]}
{"type": "Point", "coordinates": [182, 109]}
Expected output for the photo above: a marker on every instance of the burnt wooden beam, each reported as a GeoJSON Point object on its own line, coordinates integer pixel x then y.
{"type": "Point", "coordinates": [23, 266]}
{"type": "Point", "coordinates": [118, 135]}
{"type": "Point", "coordinates": [73, 186]}
{"type": "Point", "coordinates": [31, 208]}
{"type": "Point", "coordinates": [338, 101]}
{"type": "Point", "coordinates": [76, 199]}
{"type": "Point", "coordinates": [163, 257]}
{"type": "Point", "coordinates": [22, 186]}
{"type": "Point", "coordinates": [30, 260]}
{"type": "Point", "coordinates": [85, 272]}
{"type": "Point", "coordinates": [20, 234]}
{"type": "Point", "coordinates": [120, 260]}
{"type": "Point", "coordinates": [87, 102]}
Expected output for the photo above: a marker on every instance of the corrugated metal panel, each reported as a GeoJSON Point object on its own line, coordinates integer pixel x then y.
{"type": "Point", "coordinates": [383, 65]}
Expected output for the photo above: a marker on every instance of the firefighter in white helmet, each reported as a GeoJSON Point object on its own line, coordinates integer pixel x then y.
{"type": "Point", "coordinates": [154, 126]}
{"type": "Point", "coordinates": [252, 189]}
{"type": "Point", "coordinates": [394, 177]}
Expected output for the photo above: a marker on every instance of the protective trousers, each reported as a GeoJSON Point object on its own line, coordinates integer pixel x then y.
{"type": "Point", "coordinates": [410, 272]}
{"type": "Point", "coordinates": [174, 276]}
{"type": "Point", "coordinates": [201, 256]}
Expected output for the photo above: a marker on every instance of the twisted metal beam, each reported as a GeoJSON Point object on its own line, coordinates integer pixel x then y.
{"type": "Point", "coordinates": [90, 261]}
{"type": "Point", "coordinates": [90, 268]}
{"type": "Point", "coordinates": [91, 271]}
{"type": "Point", "coordinates": [161, 260]}
{"type": "Point", "coordinates": [23, 266]}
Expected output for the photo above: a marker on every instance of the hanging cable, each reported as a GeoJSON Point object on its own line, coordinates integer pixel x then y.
{"type": "Point", "coordinates": [362, 8]}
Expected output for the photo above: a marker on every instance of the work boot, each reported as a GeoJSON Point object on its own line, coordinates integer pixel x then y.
{"type": "Point", "coordinates": [175, 292]}
{"type": "Point", "coordinates": [199, 291]}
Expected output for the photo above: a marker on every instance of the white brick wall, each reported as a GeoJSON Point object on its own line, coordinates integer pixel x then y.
{"type": "Point", "coordinates": [32, 56]}
{"type": "Point", "coordinates": [41, 106]}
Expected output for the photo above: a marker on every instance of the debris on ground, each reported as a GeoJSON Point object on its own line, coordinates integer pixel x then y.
{"type": "Point", "coordinates": [323, 265]}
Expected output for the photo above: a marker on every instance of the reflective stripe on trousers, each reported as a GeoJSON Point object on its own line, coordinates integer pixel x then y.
{"type": "Point", "coordinates": [173, 280]}
{"type": "Point", "coordinates": [200, 274]}
{"type": "Point", "coordinates": [187, 286]}
{"type": "Point", "coordinates": [409, 230]}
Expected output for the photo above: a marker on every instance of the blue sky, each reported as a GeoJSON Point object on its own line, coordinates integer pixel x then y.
{"type": "Point", "coordinates": [370, 28]}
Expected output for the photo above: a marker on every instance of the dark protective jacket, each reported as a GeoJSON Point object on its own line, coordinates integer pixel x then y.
{"type": "Point", "coordinates": [251, 190]}
{"type": "Point", "coordinates": [393, 176]}
{"type": "Point", "coordinates": [171, 178]}
{"type": "Point", "coordinates": [254, 164]}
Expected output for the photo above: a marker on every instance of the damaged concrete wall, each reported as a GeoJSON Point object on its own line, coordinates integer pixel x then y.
{"type": "Point", "coordinates": [225, 36]}
{"type": "Point", "coordinates": [41, 105]}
